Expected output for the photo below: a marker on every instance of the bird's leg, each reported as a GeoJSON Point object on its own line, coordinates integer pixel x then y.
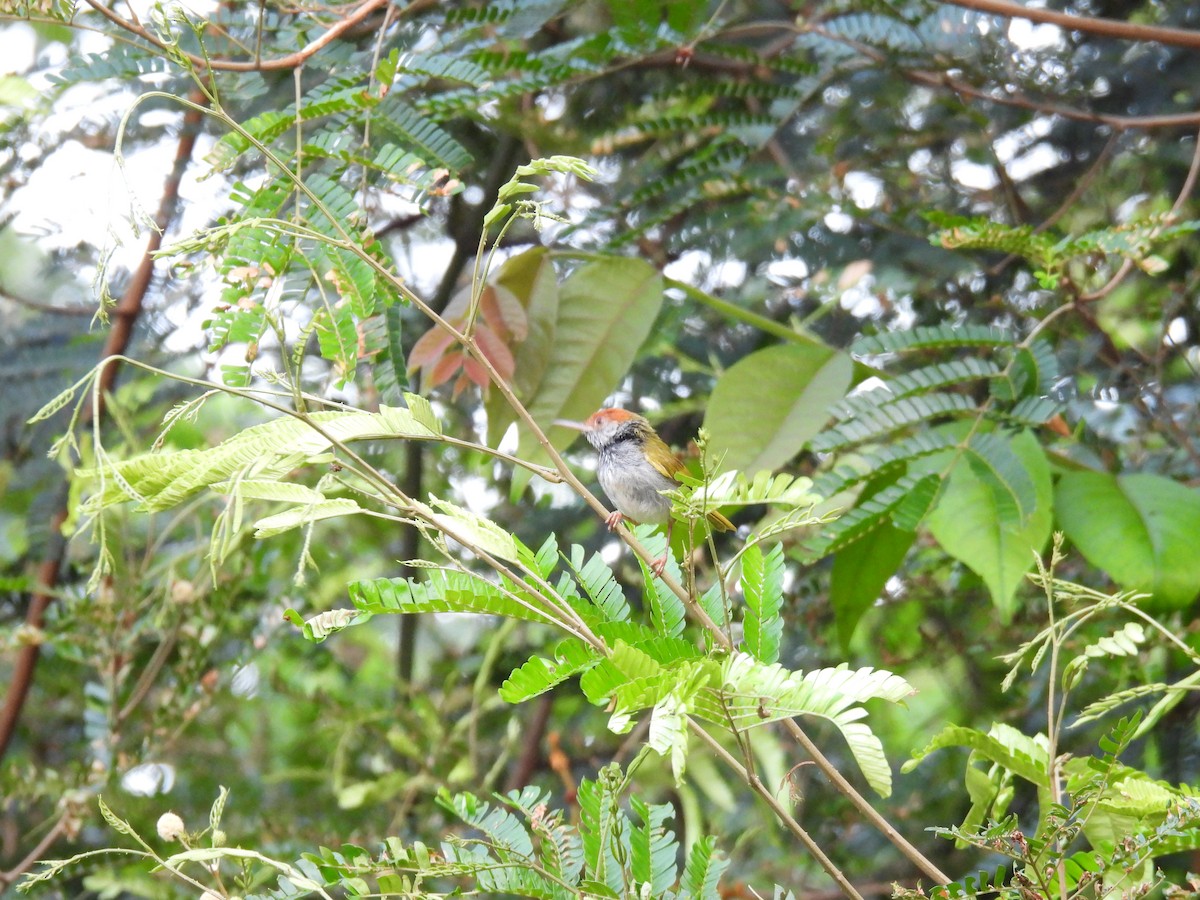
{"type": "Point", "coordinates": [659, 565]}
{"type": "Point", "coordinates": [613, 519]}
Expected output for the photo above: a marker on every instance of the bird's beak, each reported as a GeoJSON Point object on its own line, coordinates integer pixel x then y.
{"type": "Point", "coordinates": [567, 423]}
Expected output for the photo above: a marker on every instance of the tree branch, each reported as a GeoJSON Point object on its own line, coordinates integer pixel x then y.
{"type": "Point", "coordinates": [124, 317]}
{"type": "Point", "coordinates": [1126, 31]}
{"type": "Point", "coordinates": [288, 62]}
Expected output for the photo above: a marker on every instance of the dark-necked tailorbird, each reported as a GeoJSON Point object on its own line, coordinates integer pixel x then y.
{"type": "Point", "coordinates": [635, 466]}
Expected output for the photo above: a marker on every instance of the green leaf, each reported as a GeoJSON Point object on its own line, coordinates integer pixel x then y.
{"type": "Point", "coordinates": [539, 675]}
{"type": "Point", "coordinates": [668, 733]}
{"type": "Point", "coordinates": [874, 421]}
{"type": "Point", "coordinates": [269, 451]}
{"type": "Point", "coordinates": [604, 829]}
{"type": "Point", "coordinates": [317, 628]}
{"type": "Point", "coordinates": [769, 404]}
{"type": "Point", "coordinates": [992, 458]}
{"type": "Point", "coordinates": [383, 338]}
{"type": "Point", "coordinates": [303, 515]}
{"type": "Point", "coordinates": [860, 573]}
{"type": "Point", "coordinates": [600, 584]}
{"type": "Point", "coordinates": [943, 374]}
{"type": "Point", "coordinates": [446, 591]}
{"type": "Point", "coordinates": [902, 502]}
{"type": "Point", "coordinates": [939, 337]}
{"type": "Point", "coordinates": [652, 847]}
{"type": "Point", "coordinates": [753, 693]}
{"type": "Point", "coordinates": [762, 586]}
{"type": "Point", "coordinates": [337, 338]}
{"type": "Point", "coordinates": [351, 276]}
{"type": "Point", "coordinates": [667, 614]}
{"type": "Point", "coordinates": [703, 871]}
{"type": "Point", "coordinates": [1004, 745]}
{"type": "Point", "coordinates": [606, 309]}
{"type": "Point", "coordinates": [1141, 529]}
{"type": "Point", "coordinates": [473, 530]}
{"type": "Point", "coordinates": [967, 522]}
{"type": "Point", "coordinates": [529, 280]}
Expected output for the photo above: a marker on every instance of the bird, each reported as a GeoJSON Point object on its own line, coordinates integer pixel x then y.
{"type": "Point", "coordinates": [635, 466]}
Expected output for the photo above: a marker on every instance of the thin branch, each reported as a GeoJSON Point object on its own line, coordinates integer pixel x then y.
{"type": "Point", "coordinates": [844, 787]}
{"type": "Point", "coordinates": [124, 316]}
{"type": "Point", "coordinates": [288, 62]}
{"type": "Point", "coordinates": [1126, 31]}
{"type": "Point", "coordinates": [780, 811]}
{"type": "Point", "coordinates": [31, 858]}
{"type": "Point", "coordinates": [1189, 185]}
{"type": "Point", "coordinates": [943, 80]}
{"type": "Point", "coordinates": [48, 308]}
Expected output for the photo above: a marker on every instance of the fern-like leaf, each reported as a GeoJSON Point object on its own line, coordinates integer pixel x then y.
{"type": "Point", "coordinates": [928, 337]}
{"type": "Point", "coordinates": [753, 693]}
{"type": "Point", "coordinates": [992, 458]}
{"type": "Point", "coordinates": [943, 374]}
{"type": "Point", "coordinates": [762, 587]}
{"type": "Point", "coordinates": [1004, 745]}
{"type": "Point", "coordinates": [869, 515]}
{"type": "Point", "coordinates": [652, 847]}
{"type": "Point", "coordinates": [446, 591]}
{"type": "Point", "coordinates": [703, 871]}
{"type": "Point", "coordinates": [598, 581]}
{"type": "Point", "coordinates": [603, 828]}
{"type": "Point", "coordinates": [874, 423]}
{"type": "Point", "coordinates": [159, 481]}
{"type": "Point", "coordinates": [539, 675]}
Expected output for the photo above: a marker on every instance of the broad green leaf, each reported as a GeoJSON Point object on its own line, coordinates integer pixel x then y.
{"type": "Point", "coordinates": [769, 404]}
{"type": "Point", "coordinates": [968, 525]}
{"type": "Point", "coordinates": [860, 572]}
{"type": "Point", "coordinates": [529, 280]}
{"type": "Point", "coordinates": [605, 311]}
{"type": "Point", "coordinates": [1141, 529]}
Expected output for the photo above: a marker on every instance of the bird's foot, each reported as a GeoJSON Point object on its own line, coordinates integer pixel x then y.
{"type": "Point", "coordinates": [613, 520]}
{"type": "Point", "coordinates": [659, 565]}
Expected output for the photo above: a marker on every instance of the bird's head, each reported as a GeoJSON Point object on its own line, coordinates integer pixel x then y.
{"type": "Point", "coordinates": [607, 426]}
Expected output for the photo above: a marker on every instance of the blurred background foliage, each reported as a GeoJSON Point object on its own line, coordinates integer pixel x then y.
{"type": "Point", "coordinates": [778, 163]}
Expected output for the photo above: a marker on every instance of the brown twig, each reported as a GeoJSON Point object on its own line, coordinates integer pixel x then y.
{"type": "Point", "coordinates": [119, 336]}
{"type": "Point", "coordinates": [60, 828]}
{"type": "Point", "coordinates": [285, 63]}
{"type": "Point", "coordinates": [943, 80]}
{"type": "Point", "coordinates": [527, 763]}
{"type": "Point", "coordinates": [1126, 31]}
{"type": "Point", "coordinates": [49, 308]}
